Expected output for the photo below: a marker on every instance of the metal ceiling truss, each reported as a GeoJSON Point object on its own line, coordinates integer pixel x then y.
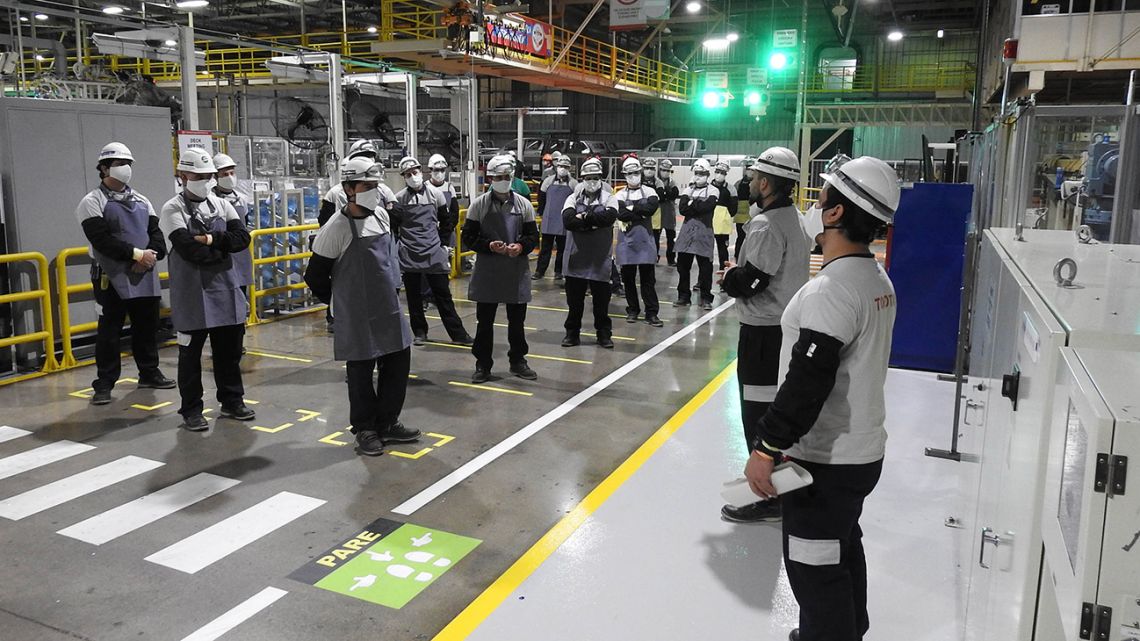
{"type": "Point", "coordinates": [889, 114]}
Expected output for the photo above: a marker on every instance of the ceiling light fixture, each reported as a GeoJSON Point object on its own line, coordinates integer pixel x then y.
{"type": "Point", "coordinates": [112, 10]}
{"type": "Point", "coordinates": [371, 29]}
{"type": "Point", "coordinates": [716, 44]}
{"type": "Point", "coordinates": [23, 18]}
{"type": "Point", "coordinates": [39, 57]}
{"type": "Point", "coordinates": [192, 4]}
{"type": "Point", "coordinates": [41, 17]}
{"type": "Point", "coordinates": [895, 36]}
{"type": "Point", "coordinates": [693, 7]}
{"type": "Point", "coordinates": [171, 43]}
{"type": "Point", "coordinates": [941, 33]}
{"type": "Point", "coordinates": [732, 36]}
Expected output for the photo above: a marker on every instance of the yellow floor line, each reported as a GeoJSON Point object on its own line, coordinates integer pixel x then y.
{"type": "Point", "coordinates": [490, 388]}
{"type": "Point", "coordinates": [491, 598]}
{"type": "Point", "coordinates": [528, 306]}
{"type": "Point", "coordinates": [279, 356]}
{"type": "Point", "coordinates": [560, 359]}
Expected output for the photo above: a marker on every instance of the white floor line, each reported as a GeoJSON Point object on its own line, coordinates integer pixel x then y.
{"type": "Point", "coordinates": [441, 486]}
{"type": "Point", "coordinates": [145, 510]}
{"type": "Point", "coordinates": [43, 455]}
{"type": "Point", "coordinates": [7, 433]}
{"type": "Point", "coordinates": [230, 535]}
{"type": "Point", "coordinates": [74, 486]}
{"type": "Point", "coordinates": [237, 615]}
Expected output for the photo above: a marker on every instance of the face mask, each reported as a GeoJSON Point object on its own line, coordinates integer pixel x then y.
{"type": "Point", "coordinates": [563, 173]}
{"type": "Point", "coordinates": [368, 199]}
{"type": "Point", "coordinates": [700, 180]}
{"type": "Point", "coordinates": [649, 174]}
{"type": "Point", "coordinates": [438, 177]}
{"type": "Point", "coordinates": [415, 181]}
{"type": "Point", "coordinates": [228, 182]}
{"type": "Point", "coordinates": [122, 173]}
{"type": "Point", "coordinates": [813, 224]}
{"type": "Point", "coordinates": [633, 180]}
{"type": "Point", "coordinates": [198, 188]}
{"type": "Point", "coordinates": [720, 178]}
{"type": "Point", "coordinates": [501, 186]}
{"type": "Point", "coordinates": [593, 186]}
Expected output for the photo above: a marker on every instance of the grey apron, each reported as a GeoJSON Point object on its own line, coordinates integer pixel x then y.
{"type": "Point", "coordinates": [369, 322]}
{"type": "Point", "coordinates": [636, 245]}
{"type": "Point", "coordinates": [243, 260]}
{"type": "Point", "coordinates": [589, 254]}
{"type": "Point", "coordinates": [556, 196]}
{"type": "Point", "coordinates": [668, 211]}
{"type": "Point", "coordinates": [498, 278]}
{"type": "Point", "coordinates": [128, 220]}
{"type": "Point", "coordinates": [420, 250]}
{"type": "Point", "coordinates": [696, 235]}
{"type": "Point", "coordinates": [205, 296]}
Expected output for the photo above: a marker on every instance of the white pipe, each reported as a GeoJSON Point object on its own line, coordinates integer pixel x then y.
{"type": "Point", "coordinates": [189, 76]}
{"type": "Point", "coordinates": [410, 129]}
{"type": "Point", "coordinates": [336, 113]}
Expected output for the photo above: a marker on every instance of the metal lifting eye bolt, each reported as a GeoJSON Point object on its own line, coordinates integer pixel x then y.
{"type": "Point", "coordinates": [1059, 272]}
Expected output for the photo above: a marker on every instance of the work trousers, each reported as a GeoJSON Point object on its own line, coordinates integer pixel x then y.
{"type": "Point", "coordinates": [376, 407]}
{"type": "Point", "coordinates": [225, 344]}
{"type": "Point", "coordinates": [739, 242]}
{"type": "Point", "coordinates": [721, 249]}
{"type": "Point", "coordinates": [413, 288]}
{"type": "Point", "coordinates": [629, 274]}
{"type": "Point", "coordinates": [757, 373]}
{"type": "Point", "coordinates": [704, 276]}
{"type": "Point", "coordinates": [549, 241]}
{"type": "Point", "coordinates": [823, 550]}
{"type": "Point", "coordinates": [576, 300]}
{"type": "Point", "coordinates": [670, 242]}
{"type": "Point", "coordinates": [483, 347]}
{"type": "Point", "coordinates": [144, 341]}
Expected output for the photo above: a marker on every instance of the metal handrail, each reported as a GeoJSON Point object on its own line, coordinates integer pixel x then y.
{"type": "Point", "coordinates": [254, 292]}
{"type": "Point", "coordinates": [47, 332]}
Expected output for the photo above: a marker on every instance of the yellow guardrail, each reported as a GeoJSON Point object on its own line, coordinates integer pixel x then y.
{"type": "Point", "coordinates": [888, 78]}
{"type": "Point", "coordinates": [808, 197]}
{"type": "Point", "coordinates": [458, 255]}
{"type": "Point", "coordinates": [254, 292]}
{"type": "Point", "coordinates": [47, 331]}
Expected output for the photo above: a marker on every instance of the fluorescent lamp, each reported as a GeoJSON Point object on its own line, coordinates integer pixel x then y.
{"type": "Point", "coordinates": [732, 36]}
{"type": "Point", "coordinates": [693, 7]}
{"type": "Point", "coordinates": [371, 29]}
{"type": "Point", "coordinates": [192, 4]}
{"type": "Point", "coordinates": [23, 18]}
{"type": "Point", "coordinates": [112, 10]}
{"type": "Point", "coordinates": [941, 33]}
{"type": "Point", "coordinates": [716, 44]}
{"type": "Point", "coordinates": [171, 43]}
{"type": "Point", "coordinates": [895, 36]}
{"type": "Point", "coordinates": [41, 17]}
{"type": "Point", "coordinates": [39, 57]}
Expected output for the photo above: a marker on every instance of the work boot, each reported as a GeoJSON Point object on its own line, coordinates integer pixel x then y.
{"type": "Point", "coordinates": [195, 423]}
{"type": "Point", "coordinates": [239, 412]}
{"type": "Point", "coordinates": [368, 443]}
{"type": "Point", "coordinates": [605, 341]}
{"type": "Point", "coordinates": [707, 305]}
{"type": "Point", "coordinates": [156, 381]}
{"type": "Point", "coordinates": [398, 433]}
{"type": "Point", "coordinates": [631, 317]}
{"type": "Point", "coordinates": [481, 375]}
{"type": "Point", "coordinates": [758, 512]}
{"type": "Point", "coordinates": [536, 276]}
{"type": "Point", "coordinates": [464, 340]}
{"type": "Point", "coordinates": [682, 302]}
{"type": "Point", "coordinates": [102, 397]}
{"type": "Point", "coordinates": [571, 340]}
{"type": "Point", "coordinates": [558, 277]}
{"type": "Point", "coordinates": [419, 339]}
{"type": "Point", "coordinates": [654, 321]}
{"type": "Point", "coordinates": [523, 371]}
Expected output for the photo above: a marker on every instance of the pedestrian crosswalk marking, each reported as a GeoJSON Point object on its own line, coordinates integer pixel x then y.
{"type": "Point", "coordinates": [8, 433]}
{"type": "Point", "coordinates": [75, 486]}
{"type": "Point", "coordinates": [40, 456]}
{"type": "Point", "coordinates": [236, 615]}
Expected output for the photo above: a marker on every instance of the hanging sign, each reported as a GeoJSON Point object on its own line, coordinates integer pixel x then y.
{"type": "Point", "coordinates": [521, 34]}
{"type": "Point", "coordinates": [199, 139]}
{"type": "Point", "coordinates": [636, 14]}
{"type": "Point", "coordinates": [785, 38]}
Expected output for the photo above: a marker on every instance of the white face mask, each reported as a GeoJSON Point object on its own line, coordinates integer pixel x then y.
{"type": "Point", "coordinates": [198, 188]}
{"type": "Point", "coordinates": [700, 180]}
{"type": "Point", "coordinates": [438, 177]}
{"type": "Point", "coordinates": [415, 181]}
{"type": "Point", "coordinates": [593, 186]}
{"type": "Point", "coordinates": [501, 186]}
{"type": "Point", "coordinates": [228, 182]}
{"type": "Point", "coordinates": [369, 200]}
{"type": "Point", "coordinates": [122, 173]}
{"type": "Point", "coordinates": [633, 180]}
{"type": "Point", "coordinates": [563, 172]}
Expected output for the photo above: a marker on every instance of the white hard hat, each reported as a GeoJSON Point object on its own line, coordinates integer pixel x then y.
{"type": "Point", "coordinates": [649, 163]}
{"type": "Point", "coordinates": [563, 161]}
{"type": "Point", "coordinates": [115, 151]}
{"type": "Point", "coordinates": [361, 147]}
{"type": "Point", "coordinates": [778, 161]}
{"type": "Point", "coordinates": [701, 165]}
{"type": "Point", "coordinates": [511, 153]}
{"type": "Point", "coordinates": [631, 165]}
{"type": "Point", "coordinates": [195, 160]}
{"type": "Point", "coordinates": [556, 156]}
{"type": "Point", "coordinates": [222, 161]}
{"type": "Point", "coordinates": [591, 167]}
{"type": "Point", "coordinates": [360, 169]}
{"type": "Point", "coordinates": [437, 162]}
{"type": "Point", "coordinates": [665, 163]}
{"type": "Point", "coordinates": [722, 166]}
{"type": "Point", "coordinates": [501, 164]}
{"type": "Point", "coordinates": [870, 183]}
{"type": "Point", "coordinates": [407, 163]}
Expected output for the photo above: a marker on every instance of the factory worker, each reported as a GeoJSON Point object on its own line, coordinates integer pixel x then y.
{"type": "Point", "coordinates": [206, 300]}
{"type": "Point", "coordinates": [226, 189]}
{"type": "Point", "coordinates": [829, 413]}
{"type": "Point", "coordinates": [589, 216]}
{"type": "Point", "coordinates": [551, 196]}
{"type": "Point", "coordinates": [547, 165]}
{"type": "Point", "coordinates": [666, 219]}
{"type": "Point", "coordinates": [518, 185]}
{"type": "Point", "coordinates": [636, 251]}
{"type": "Point", "coordinates": [334, 199]}
{"type": "Point", "coordinates": [355, 268]}
{"type": "Point", "coordinates": [697, 203]}
{"type": "Point", "coordinates": [773, 267]}
{"type": "Point", "coordinates": [422, 217]}
{"type": "Point", "coordinates": [440, 179]}
{"type": "Point", "coordinates": [502, 230]}
{"type": "Point", "coordinates": [746, 208]}
{"type": "Point", "coordinates": [126, 244]}
{"type": "Point", "coordinates": [722, 215]}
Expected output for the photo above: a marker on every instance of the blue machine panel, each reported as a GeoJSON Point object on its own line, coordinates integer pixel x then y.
{"type": "Point", "coordinates": [927, 254]}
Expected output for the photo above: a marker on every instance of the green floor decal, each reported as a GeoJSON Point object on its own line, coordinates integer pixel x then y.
{"type": "Point", "coordinates": [395, 569]}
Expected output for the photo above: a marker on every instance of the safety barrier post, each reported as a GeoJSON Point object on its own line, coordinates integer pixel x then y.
{"type": "Point", "coordinates": [43, 294]}
{"type": "Point", "coordinates": [254, 292]}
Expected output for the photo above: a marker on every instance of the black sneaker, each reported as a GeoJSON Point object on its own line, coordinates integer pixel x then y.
{"type": "Point", "coordinates": [368, 443]}
{"type": "Point", "coordinates": [481, 375]}
{"type": "Point", "coordinates": [523, 371]}
{"type": "Point", "coordinates": [758, 512]}
{"type": "Point", "coordinates": [419, 339]}
{"type": "Point", "coordinates": [571, 340]}
{"type": "Point", "coordinates": [464, 340]}
{"type": "Point", "coordinates": [631, 317]}
{"type": "Point", "coordinates": [101, 398]}
{"type": "Point", "coordinates": [157, 381]}
{"type": "Point", "coordinates": [557, 277]}
{"type": "Point", "coordinates": [707, 305]}
{"type": "Point", "coordinates": [536, 276]}
{"type": "Point", "coordinates": [682, 302]}
{"type": "Point", "coordinates": [654, 321]}
{"type": "Point", "coordinates": [195, 423]}
{"type": "Point", "coordinates": [239, 412]}
{"type": "Point", "coordinates": [398, 433]}
{"type": "Point", "coordinates": [605, 341]}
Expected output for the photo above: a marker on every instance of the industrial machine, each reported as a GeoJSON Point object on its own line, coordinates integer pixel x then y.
{"type": "Point", "coordinates": [1100, 185]}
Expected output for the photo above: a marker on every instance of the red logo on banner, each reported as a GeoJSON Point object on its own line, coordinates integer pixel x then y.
{"type": "Point", "coordinates": [531, 37]}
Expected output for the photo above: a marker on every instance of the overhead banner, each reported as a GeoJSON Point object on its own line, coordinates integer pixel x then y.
{"type": "Point", "coordinates": [636, 14]}
{"type": "Point", "coordinates": [520, 34]}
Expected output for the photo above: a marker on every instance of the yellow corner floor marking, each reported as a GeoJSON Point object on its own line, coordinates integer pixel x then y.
{"type": "Point", "coordinates": [207, 411]}
{"type": "Point", "coordinates": [616, 338]}
{"type": "Point", "coordinates": [86, 392]}
{"type": "Point", "coordinates": [486, 603]}
{"type": "Point", "coordinates": [490, 388]}
{"type": "Point", "coordinates": [413, 457]}
{"type": "Point", "coordinates": [295, 359]}
{"type": "Point", "coordinates": [412, 376]}
{"type": "Point", "coordinates": [560, 359]}
{"type": "Point", "coordinates": [444, 439]}
{"type": "Point", "coordinates": [306, 415]}
{"type": "Point", "coordinates": [331, 439]}
{"type": "Point", "coordinates": [272, 430]}
{"type": "Point", "coordinates": [151, 408]}
{"type": "Point", "coordinates": [250, 401]}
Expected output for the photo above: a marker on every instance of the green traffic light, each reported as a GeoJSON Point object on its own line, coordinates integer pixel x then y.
{"type": "Point", "coordinates": [752, 98]}
{"type": "Point", "coordinates": [713, 100]}
{"type": "Point", "coordinates": [778, 60]}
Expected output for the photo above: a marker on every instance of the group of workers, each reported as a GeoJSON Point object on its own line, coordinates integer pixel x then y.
{"type": "Point", "coordinates": [812, 354]}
